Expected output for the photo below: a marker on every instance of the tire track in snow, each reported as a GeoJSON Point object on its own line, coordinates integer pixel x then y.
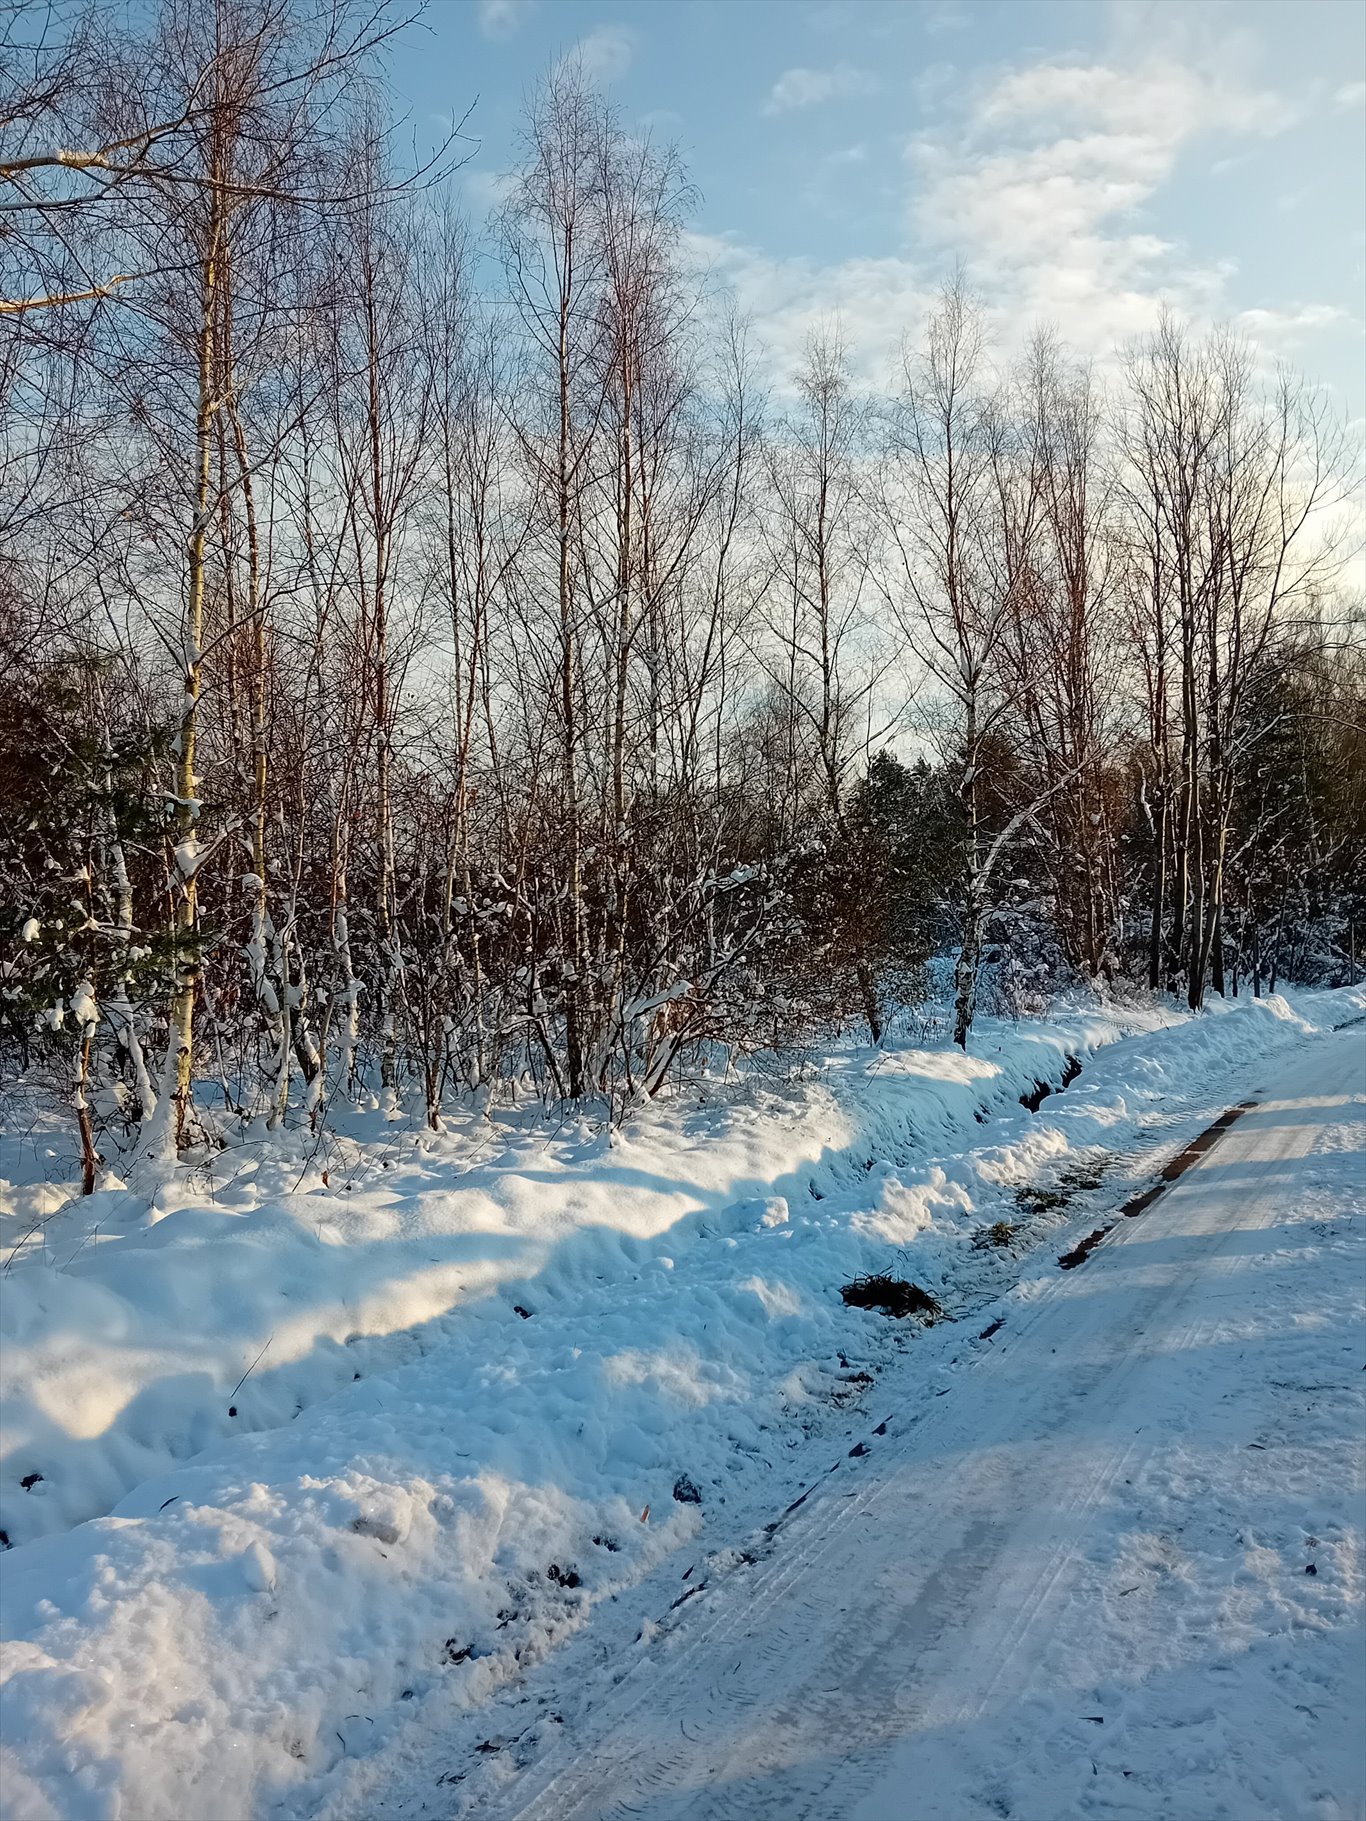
{"type": "Point", "coordinates": [717, 1735]}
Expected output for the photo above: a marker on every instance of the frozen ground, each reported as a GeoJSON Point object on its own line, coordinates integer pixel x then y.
{"type": "Point", "coordinates": [1116, 1571]}
{"type": "Point", "coordinates": [511, 1384]}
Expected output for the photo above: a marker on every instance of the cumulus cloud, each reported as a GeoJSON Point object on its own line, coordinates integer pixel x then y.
{"type": "Point", "coordinates": [1043, 188]}
{"type": "Point", "coordinates": [1040, 179]}
{"type": "Point", "coordinates": [800, 88]}
{"type": "Point", "coordinates": [1162, 100]}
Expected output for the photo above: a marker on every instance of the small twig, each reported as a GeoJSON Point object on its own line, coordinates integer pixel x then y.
{"type": "Point", "coordinates": [94, 1233]}
{"type": "Point", "coordinates": [27, 1236]}
{"type": "Point", "coordinates": [250, 1369]}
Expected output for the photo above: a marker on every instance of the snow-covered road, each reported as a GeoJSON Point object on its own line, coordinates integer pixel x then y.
{"type": "Point", "coordinates": [1114, 1570]}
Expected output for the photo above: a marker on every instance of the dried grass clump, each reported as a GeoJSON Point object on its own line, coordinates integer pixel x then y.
{"type": "Point", "coordinates": [892, 1296]}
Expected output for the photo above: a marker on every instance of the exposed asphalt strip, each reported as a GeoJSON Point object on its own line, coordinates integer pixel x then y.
{"type": "Point", "coordinates": [1138, 1204]}
{"type": "Point", "coordinates": [1194, 1151]}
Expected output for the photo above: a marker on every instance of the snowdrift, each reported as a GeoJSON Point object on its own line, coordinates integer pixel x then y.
{"type": "Point", "coordinates": [313, 1441]}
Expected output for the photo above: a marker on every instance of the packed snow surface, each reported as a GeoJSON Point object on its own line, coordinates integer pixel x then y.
{"type": "Point", "coordinates": [1116, 1572]}
{"type": "Point", "coordinates": [312, 1454]}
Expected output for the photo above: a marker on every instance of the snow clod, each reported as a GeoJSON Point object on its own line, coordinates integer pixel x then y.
{"type": "Point", "coordinates": [258, 1568]}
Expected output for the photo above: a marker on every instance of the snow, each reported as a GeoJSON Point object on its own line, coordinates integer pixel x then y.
{"type": "Point", "coordinates": [1116, 1572]}
{"type": "Point", "coordinates": [337, 1440]}
{"type": "Point", "coordinates": [84, 1008]}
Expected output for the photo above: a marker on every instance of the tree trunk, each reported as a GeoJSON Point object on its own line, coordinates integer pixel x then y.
{"type": "Point", "coordinates": [965, 972]}
{"type": "Point", "coordinates": [178, 1065]}
{"type": "Point", "coordinates": [1158, 913]}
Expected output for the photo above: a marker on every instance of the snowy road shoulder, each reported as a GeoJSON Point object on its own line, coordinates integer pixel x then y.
{"type": "Point", "coordinates": [1116, 1573]}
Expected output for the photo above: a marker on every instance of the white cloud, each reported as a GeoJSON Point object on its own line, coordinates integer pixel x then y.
{"type": "Point", "coordinates": [1280, 329]}
{"type": "Point", "coordinates": [1041, 180]}
{"type": "Point", "coordinates": [1163, 100]}
{"type": "Point", "coordinates": [1044, 188]}
{"type": "Point", "coordinates": [1350, 95]}
{"type": "Point", "coordinates": [502, 18]}
{"type": "Point", "coordinates": [799, 88]}
{"type": "Point", "coordinates": [606, 52]}
{"type": "Point", "coordinates": [876, 301]}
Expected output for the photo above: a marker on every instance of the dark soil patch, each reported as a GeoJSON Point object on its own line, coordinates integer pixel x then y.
{"type": "Point", "coordinates": [1183, 1160]}
{"type": "Point", "coordinates": [1083, 1250]}
{"type": "Point", "coordinates": [1137, 1203]}
{"type": "Point", "coordinates": [1211, 1135]}
{"type": "Point", "coordinates": [1035, 1098]}
{"type": "Point", "coordinates": [892, 1296]}
{"type": "Point", "coordinates": [1082, 1177]}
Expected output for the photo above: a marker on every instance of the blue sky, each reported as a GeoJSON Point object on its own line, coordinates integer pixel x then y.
{"type": "Point", "coordinates": [1085, 160]}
